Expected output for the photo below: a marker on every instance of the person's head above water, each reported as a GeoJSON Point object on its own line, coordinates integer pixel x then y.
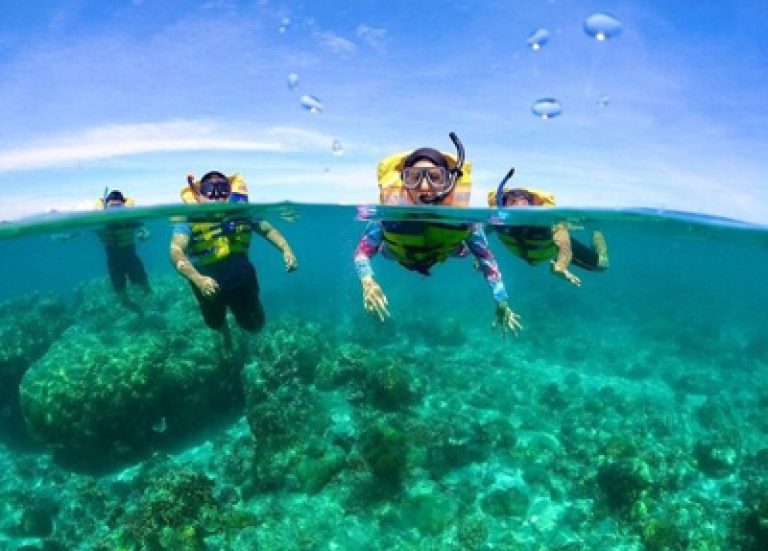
{"type": "Point", "coordinates": [114, 199]}
{"type": "Point", "coordinates": [214, 186]}
{"type": "Point", "coordinates": [517, 197]}
{"type": "Point", "coordinates": [427, 177]}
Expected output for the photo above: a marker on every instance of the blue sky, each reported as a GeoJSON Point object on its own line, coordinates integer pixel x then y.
{"type": "Point", "coordinates": [133, 94]}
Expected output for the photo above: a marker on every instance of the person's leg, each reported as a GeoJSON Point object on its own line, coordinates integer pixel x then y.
{"type": "Point", "coordinates": [118, 275]}
{"type": "Point", "coordinates": [116, 272]}
{"type": "Point", "coordinates": [595, 258]}
{"type": "Point", "coordinates": [214, 310]}
{"type": "Point", "coordinates": [245, 304]}
{"type": "Point", "coordinates": [601, 248]}
{"type": "Point", "coordinates": [136, 272]}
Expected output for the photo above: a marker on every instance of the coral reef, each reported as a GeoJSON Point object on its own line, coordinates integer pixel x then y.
{"type": "Point", "coordinates": [106, 393]}
{"type": "Point", "coordinates": [23, 340]}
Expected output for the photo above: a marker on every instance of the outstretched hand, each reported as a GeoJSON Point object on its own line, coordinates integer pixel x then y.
{"type": "Point", "coordinates": [291, 264]}
{"type": "Point", "coordinates": [565, 274]}
{"type": "Point", "coordinates": [374, 300]}
{"type": "Point", "coordinates": [507, 320]}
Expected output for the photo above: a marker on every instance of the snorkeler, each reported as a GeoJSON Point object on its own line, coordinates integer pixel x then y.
{"type": "Point", "coordinates": [536, 244]}
{"type": "Point", "coordinates": [123, 263]}
{"type": "Point", "coordinates": [427, 177]}
{"type": "Point", "coordinates": [213, 256]}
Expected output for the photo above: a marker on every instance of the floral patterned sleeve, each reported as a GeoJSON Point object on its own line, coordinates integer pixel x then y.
{"type": "Point", "coordinates": [477, 243]}
{"type": "Point", "coordinates": [367, 247]}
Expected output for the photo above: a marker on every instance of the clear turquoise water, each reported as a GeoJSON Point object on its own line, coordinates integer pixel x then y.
{"type": "Point", "coordinates": [675, 330]}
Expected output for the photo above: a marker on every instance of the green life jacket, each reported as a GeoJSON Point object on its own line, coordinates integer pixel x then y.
{"type": "Point", "coordinates": [423, 243]}
{"type": "Point", "coordinates": [118, 236]}
{"type": "Point", "coordinates": [213, 242]}
{"type": "Point", "coordinates": [531, 243]}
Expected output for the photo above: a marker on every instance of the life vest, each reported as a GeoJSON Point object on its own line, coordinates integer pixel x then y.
{"type": "Point", "coordinates": [239, 193]}
{"type": "Point", "coordinates": [531, 243]}
{"type": "Point", "coordinates": [392, 192]}
{"type": "Point", "coordinates": [117, 235]}
{"type": "Point", "coordinates": [421, 245]}
{"type": "Point", "coordinates": [211, 242]}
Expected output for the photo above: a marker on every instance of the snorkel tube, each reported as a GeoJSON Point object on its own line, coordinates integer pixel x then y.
{"type": "Point", "coordinates": [500, 189]}
{"type": "Point", "coordinates": [104, 197]}
{"type": "Point", "coordinates": [456, 173]}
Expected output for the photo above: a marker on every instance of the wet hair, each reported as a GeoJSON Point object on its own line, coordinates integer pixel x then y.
{"type": "Point", "coordinates": [115, 195]}
{"type": "Point", "coordinates": [214, 177]}
{"type": "Point", "coordinates": [426, 153]}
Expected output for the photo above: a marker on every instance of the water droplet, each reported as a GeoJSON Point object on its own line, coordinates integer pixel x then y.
{"type": "Point", "coordinates": [603, 101]}
{"type": "Point", "coordinates": [336, 148]}
{"type": "Point", "coordinates": [312, 104]}
{"type": "Point", "coordinates": [293, 81]}
{"type": "Point", "coordinates": [602, 26]}
{"type": "Point", "coordinates": [285, 22]}
{"type": "Point", "coordinates": [538, 39]}
{"type": "Point", "coordinates": [547, 108]}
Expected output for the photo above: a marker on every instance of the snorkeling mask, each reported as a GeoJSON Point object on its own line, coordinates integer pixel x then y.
{"type": "Point", "coordinates": [115, 197]}
{"type": "Point", "coordinates": [440, 180]}
{"type": "Point", "coordinates": [216, 189]}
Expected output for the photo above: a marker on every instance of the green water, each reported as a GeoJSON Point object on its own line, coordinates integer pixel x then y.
{"type": "Point", "coordinates": [629, 414]}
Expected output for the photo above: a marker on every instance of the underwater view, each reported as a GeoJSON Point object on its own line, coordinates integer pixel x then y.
{"type": "Point", "coordinates": [628, 413]}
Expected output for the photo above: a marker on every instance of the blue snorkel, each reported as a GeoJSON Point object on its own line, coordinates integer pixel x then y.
{"type": "Point", "coordinates": [104, 197]}
{"type": "Point", "coordinates": [500, 189]}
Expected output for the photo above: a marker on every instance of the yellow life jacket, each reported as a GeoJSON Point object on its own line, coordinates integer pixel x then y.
{"type": "Point", "coordinates": [540, 198]}
{"type": "Point", "coordinates": [392, 192]}
{"type": "Point", "coordinates": [421, 244]}
{"type": "Point", "coordinates": [117, 235]}
{"type": "Point", "coordinates": [236, 181]}
{"type": "Point", "coordinates": [212, 242]}
{"type": "Point", "coordinates": [531, 243]}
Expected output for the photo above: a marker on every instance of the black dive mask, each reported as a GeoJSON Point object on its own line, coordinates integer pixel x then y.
{"type": "Point", "coordinates": [216, 189]}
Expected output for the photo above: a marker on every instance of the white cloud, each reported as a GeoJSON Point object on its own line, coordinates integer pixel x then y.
{"type": "Point", "coordinates": [335, 43]}
{"type": "Point", "coordinates": [372, 36]}
{"type": "Point", "coordinates": [183, 135]}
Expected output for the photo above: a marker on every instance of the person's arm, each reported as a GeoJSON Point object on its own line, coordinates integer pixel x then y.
{"type": "Point", "coordinates": [562, 238]}
{"type": "Point", "coordinates": [477, 243]}
{"type": "Point", "coordinates": [179, 243]}
{"type": "Point", "coordinates": [374, 300]}
{"type": "Point", "coordinates": [367, 247]}
{"type": "Point", "coordinates": [270, 233]}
